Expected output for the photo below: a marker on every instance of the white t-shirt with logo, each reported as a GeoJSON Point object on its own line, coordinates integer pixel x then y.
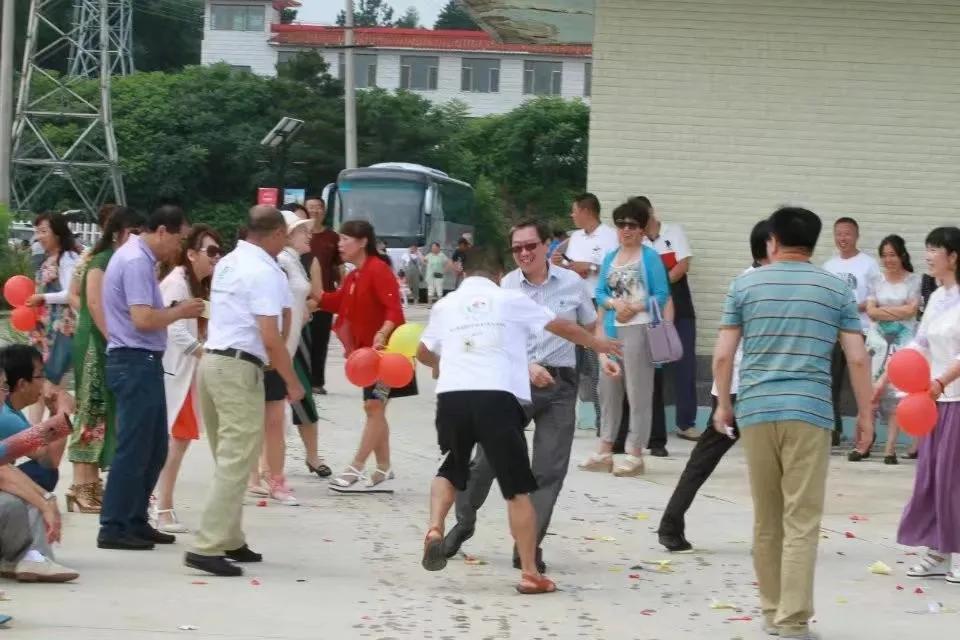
{"type": "Point", "coordinates": [480, 332]}
{"type": "Point", "coordinates": [859, 272]}
{"type": "Point", "coordinates": [592, 248]}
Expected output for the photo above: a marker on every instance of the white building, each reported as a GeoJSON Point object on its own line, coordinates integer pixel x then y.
{"type": "Point", "coordinates": [470, 66]}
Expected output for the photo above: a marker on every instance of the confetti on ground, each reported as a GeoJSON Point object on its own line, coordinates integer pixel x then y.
{"type": "Point", "coordinates": [199, 582]}
{"type": "Point", "coordinates": [740, 619]}
{"type": "Point", "coordinates": [641, 516]}
{"type": "Point", "coordinates": [634, 576]}
{"type": "Point", "coordinates": [187, 627]}
{"type": "Point", "coordinates": [301, 579]}
{"type": "Point", "coordinates": [255, 582]}
{"type": "Point", "coordinates": [880, 568]}
{"type": "Point", "coordinates": [918, 591]}
{"type": "Point", "coordinates": [856, 518]}
{"type": "Point", "coordinates": [648, 612]}
{"type": "Point", "coordinates": [473, 561]}
{"type": "Point", "coordinates": [261, 503]}
{"type": "Point", "coordinates": [600, 538]}
{"type": "Point", "coordinates": [850, 534]}
{"type": "Point", "coordinates": [842, 600]}
{"type": "Point", "coordinates": [720, 604]}
{"type": "Point", "coordinates": [899, 587]}
{"type": "Point", "coordinates": [615, 569]}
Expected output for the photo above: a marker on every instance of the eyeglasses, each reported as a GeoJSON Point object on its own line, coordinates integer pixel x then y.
{"type": "Point", "coordinates": [627, 224]}
{"type": "Point", "coordinates": [4, 387]}
{"type": "Point", "coordinates": [213, 251]}
{"type": "Point", "coordinates": [530, 247]}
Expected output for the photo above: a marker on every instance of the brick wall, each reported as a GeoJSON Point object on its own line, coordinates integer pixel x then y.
{"type": "Point", "coordinates": [721, 110]}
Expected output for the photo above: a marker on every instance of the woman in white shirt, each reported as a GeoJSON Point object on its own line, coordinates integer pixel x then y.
{"type": "Point", "coordinates": [932, 517]}
{"type": "Point", "coordinates": [892, 307]}
{"type": "Point", "coordinates": [57, 321]}
{"type": "Point", "coordinates": [185, 338]}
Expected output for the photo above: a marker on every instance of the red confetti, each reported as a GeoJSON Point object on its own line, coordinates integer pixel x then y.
{"type": "Point", "coordinates": [634, 576]}
{"type": "Point", "coordinates": [261, 503]}
{"type": "Point", "coordinates": [850, 534]}
{"type": "Point", "coordinates": [899, 587]}
{"type": "Point", "coordinates": [648, 612]}
{"type": "Point", "coordinates": [255, 582]}
{"type": "Point", "coordinates": [740, 619]}
{"type": "Point", "coordinates": [198, 582]}
{"type": "Point", "coordinates": [856, 518]}
{"type": "Point", "coordinates": [918, 591]}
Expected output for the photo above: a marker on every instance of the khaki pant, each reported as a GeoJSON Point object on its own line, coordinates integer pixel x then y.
{"type": "Point", "coordinates": [788, 464]}
{"type": "Point", "coordinates": [232, 404]}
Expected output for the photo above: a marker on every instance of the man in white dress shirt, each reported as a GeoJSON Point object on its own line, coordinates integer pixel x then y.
{"type": "Point", "coordinates": [248, 295]}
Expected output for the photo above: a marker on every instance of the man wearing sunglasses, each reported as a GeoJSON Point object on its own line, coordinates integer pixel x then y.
{"type": "Point", "coordinates": [553, 376]}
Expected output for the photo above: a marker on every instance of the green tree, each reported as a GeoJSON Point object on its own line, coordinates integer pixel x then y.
{"type": "Point", "coordinates": [369, 13]}
{"type": "Point", "coordinates": [409, 20]}
{"type": "Point", "coordinates": [453, 16]}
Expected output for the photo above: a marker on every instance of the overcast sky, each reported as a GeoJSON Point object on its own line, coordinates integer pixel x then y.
{"type": "Point", "coordinates": [325, 11]}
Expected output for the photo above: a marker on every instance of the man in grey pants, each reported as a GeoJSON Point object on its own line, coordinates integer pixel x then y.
{"type": "Point", "coordinates": [554, 378]}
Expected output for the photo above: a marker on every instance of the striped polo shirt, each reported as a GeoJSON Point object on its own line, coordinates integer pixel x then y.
{"type": "Point", "coordinates": [790, 315]}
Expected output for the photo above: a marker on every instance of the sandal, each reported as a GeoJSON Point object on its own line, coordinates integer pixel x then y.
{"type": "Point", "coordinates": [434, 559]}
{"type": "Point", "coordinates": [379, 481]}
{"type": "Point", "coordinates": [173, 526]}
{"type": "Point", "coordinates": [349, 481]}
{"type": "Point", "coordinates": [322, 470]}
{"type": "Point", "coordinates": [630, 467]}
{"type": "Point", "coordinates": [533, 585]}
{"type": "Point", "coordinates": [602, 462]}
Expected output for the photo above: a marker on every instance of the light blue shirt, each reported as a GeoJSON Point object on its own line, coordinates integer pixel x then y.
{"type": "Point", "coordinates": [791, 314]}
{"type": "Point", "coordinates": [564, 294]}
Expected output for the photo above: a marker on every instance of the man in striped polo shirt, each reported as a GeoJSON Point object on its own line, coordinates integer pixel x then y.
{"type": "Point", "coordinates": [789, 314]}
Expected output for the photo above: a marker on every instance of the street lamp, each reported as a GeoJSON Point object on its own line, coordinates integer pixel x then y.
{"type": "Point", "coordinates": [278, 140]}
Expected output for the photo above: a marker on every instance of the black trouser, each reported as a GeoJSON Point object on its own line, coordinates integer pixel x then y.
{"type": "Point", "coordinates": [704, 458]}
{"type": "Point", "coordinates": [658, 430]}
{"type": "Point", "coordinates": [320, 335]}
{"type": "Point", "coordinates": [838, 373]}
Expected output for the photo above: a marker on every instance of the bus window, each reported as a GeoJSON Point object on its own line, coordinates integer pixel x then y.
{"type": "Point", "coordinates": [392, 206]}
{"type": "Point", "coordinates": [456, 203]}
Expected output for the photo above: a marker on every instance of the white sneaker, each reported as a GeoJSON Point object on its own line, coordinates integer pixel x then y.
{"type": "Point", "coordinates": [45, 570]}
{"type": "Point", "coordinates": [930, 566]}
{"type": "Point", "coordinates": [953, 576]}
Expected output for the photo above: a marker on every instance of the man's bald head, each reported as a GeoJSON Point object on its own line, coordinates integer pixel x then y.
{"type": "Point", "coordinates": [264, 220]}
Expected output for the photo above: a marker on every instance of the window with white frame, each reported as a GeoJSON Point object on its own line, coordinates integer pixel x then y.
{"type": "Point", "coordinates": [588, 79]}
{"type": "Point", "coordinates": [237, 17]}
{"type": "Point", "coordinates": [480, 75]}
{"type": "Point", "coordinates": [364, 69]}
{"type": "Point", "coordinates": [419, 72]}
{"type": "Point", "coordinates": [283, 57]}
{"type": "Point", "coordinates": [542, 78]}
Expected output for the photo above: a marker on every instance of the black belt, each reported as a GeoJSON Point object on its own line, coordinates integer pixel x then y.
{"type": "Point", "coordinates": [237, 354]}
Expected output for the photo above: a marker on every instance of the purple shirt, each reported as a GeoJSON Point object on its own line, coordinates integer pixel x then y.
{"type": "Point", "coordinates": [130, 280]}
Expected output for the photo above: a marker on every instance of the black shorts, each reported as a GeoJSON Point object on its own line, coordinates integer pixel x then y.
{"type": "Point", "coordinates": [274, 388]}
{"type": "Point", "coordinates": [383, 393]}
{"type": "Point", "coordinates": [495, 421]}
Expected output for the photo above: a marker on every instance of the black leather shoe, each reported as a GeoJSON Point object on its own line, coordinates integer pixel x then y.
{"type": "Point", "coordinates": [659, 452]}
{"type": "Point", "coordinates": [158, 537]}
{"type": "Point", "coordinates": [455, 538]}
{"type": "Point", "coordinates": [244, 554]}
{"type": "Point", "coordinates": [675, 543]}
{"type": "Point", "coordinates": [541, 565]}
{"type": "Point", "coordinates": [856, 456]}
{"type": "Point", "coordinates": [217, 565]}
{"type": "Point", "coordinates": [124, 543]}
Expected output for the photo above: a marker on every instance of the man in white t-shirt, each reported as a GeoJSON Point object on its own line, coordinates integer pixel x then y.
{"type": "Point", "coordinates": [584, 254]}
{"type": "Point", "coordinates": [476, 341]}
{"type": "Point", "coordinates": [859, 271]}
{"type": "Point", "coordinates": [712, 445]}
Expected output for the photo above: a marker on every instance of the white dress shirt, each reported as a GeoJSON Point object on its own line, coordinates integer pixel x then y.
{"type": "Point", "coordinates": [592, 247]}
{"type": "Point", "coordinates": [299, 283]}
{"type": "Point", "coordinates": [939, 337]}
{"type": "Point", "coordinates": [247, 283]}
{"type": "Point", "coordinates": [480, 332]}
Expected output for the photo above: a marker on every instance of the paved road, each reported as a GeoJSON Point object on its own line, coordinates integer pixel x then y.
{"type": "Point", "coordinates": [348, 567]}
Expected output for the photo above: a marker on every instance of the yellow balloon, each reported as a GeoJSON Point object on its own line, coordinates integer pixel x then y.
{"type": "Point", "coordinates": [405, 339]}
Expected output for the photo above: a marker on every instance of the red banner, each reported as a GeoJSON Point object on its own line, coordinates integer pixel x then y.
{"type": "Point", "coordinates": [269, 196]}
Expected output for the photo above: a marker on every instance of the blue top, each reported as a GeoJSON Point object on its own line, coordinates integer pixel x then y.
{"type": "Point", "coordinates": [658, 286]}
{"type": "Point", "coordinates": [791, 314]}
{"type": "Point", "coordinates": [12, 421]}
{"type": "Point", "coordinates": [131, 280]}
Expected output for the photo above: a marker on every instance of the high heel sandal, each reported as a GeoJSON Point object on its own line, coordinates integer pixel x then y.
{"type": "Point", "coordinates": [83, 497]}
{"type": "Point", "coordinates": [322, 470]}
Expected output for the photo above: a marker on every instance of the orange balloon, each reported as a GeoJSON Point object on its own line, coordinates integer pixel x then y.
{"type": "Point", "coordinates": [23, 319]}
{"type": "Point", "coordinates": [917, 414]}
{"type": "Point", "coordinates": [362, 367]}
{"type": "Point", "coordinates": [396, 370]}
{"type": "Point", "coordinates": [17, 289]}
{"type": "Point", "coordinates": [909, 371]}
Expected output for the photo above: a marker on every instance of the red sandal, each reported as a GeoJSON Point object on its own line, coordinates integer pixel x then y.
{"type": "Point", "coordinates": [434, 559]}
{"type": "Point", "coordinates": [533, 585]}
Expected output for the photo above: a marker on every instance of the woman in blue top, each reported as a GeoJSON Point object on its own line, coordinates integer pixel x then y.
{"type": "Point", "coordinates": [632, 281]}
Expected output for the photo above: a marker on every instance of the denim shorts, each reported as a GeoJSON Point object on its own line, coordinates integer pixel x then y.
{"type": "Point", "coordinates": [59, 358]}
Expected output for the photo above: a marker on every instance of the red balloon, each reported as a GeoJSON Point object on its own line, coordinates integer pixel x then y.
{"type": "Point", "coordinates": [362, 367]}
{"type": "Point", "coordinates": [396, 370]}
{"type": "Point", "coordinates": [909, 371]}
{"type": "Point", "coordinates": [17, 289]}
{"type": "Point", "coordinates": [917, 414]}
{"type": "Point", "coordinates": [24, 319]}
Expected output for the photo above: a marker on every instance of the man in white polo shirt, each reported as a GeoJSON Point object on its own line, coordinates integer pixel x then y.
{"type": "Point", "coordinates": [247, 297]}
{"type": "Point", "coordinates": [586, 249]}
{"type": "Point", "coordinates": [477, 340]}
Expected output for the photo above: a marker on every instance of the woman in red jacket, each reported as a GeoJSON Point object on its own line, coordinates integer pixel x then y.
{"type": "Point", "coordinates": [368, 309]}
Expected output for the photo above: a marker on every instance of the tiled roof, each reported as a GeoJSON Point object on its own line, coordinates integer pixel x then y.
{"type": "Point", "coordinates": [280, 5]}
{"type": "Point", "coordinates": [424, 39]}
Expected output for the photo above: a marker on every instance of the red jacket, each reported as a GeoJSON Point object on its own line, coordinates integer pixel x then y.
{"type": "Point", "coordinates": [368, 297]}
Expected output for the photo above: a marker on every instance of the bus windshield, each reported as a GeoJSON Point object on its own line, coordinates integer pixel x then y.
{"type": "Point", "coordinates": [392, 206]}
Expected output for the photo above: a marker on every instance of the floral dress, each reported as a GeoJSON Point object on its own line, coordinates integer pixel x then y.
{"type": "Point", "coordinates": [56, 323]}
{"type": "Point", "coordinates": [885, 337]}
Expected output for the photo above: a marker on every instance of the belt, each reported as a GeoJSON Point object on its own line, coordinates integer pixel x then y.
{"type": "Point", "coordinates": [237, 354]}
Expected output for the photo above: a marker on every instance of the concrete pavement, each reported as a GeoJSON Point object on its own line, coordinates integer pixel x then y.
{"type": "Point", "coordinates": [348, 566]}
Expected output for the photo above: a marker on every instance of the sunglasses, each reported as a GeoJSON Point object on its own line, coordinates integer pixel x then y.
{"type": "Point", "coordinates": [213, 251]}
{"type": "Point", "coordinates": [627, 224]}
{"type": "Point", "coordinates": [530, 247]}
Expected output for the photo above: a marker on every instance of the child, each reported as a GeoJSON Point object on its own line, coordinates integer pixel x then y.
{"type": "Point", "coordinates": [404, 289]}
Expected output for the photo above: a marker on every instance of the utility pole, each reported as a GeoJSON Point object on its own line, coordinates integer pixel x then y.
{"type": "Point", "coordinates": [349, 90]}
{"type": "Point", "coordinates": [6, 100]}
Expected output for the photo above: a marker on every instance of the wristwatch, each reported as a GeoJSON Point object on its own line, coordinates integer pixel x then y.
{"type": "Point", "coordinates": [50, 496]}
